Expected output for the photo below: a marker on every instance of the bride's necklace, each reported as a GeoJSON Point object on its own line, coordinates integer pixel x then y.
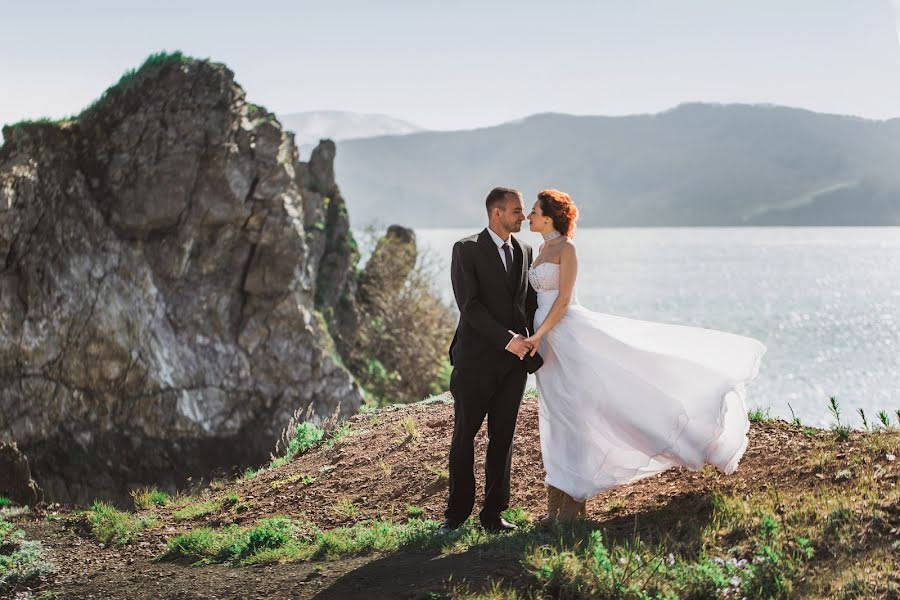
{"type": "Point", "coordinates": [551, 236]}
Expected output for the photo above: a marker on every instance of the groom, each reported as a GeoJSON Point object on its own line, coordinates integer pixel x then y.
{"type": "Point", "coordinates": [489, 356]}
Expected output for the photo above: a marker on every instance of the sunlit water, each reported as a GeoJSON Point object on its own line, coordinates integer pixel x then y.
{"type": "Point", "coordinates": [825, 301]}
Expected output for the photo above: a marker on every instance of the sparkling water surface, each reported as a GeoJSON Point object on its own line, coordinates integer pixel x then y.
{"type": "Point", "coordinates": [824, 300]}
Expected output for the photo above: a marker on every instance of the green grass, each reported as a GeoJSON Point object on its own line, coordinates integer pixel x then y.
{"type": "Point", "coordinates": [112, 526]}
{"type": "Point", "coordinates": [337, 436]}
{"type": "Point", "coordinates": [125, 81]}
{"type": "Point", "coordinates": [148, 498]}
{"type": "Point", "coordinates": [767, 544]}
{"type": "Point", "coordinates": [517, 516]}
{"type": "Point", "coordinates": [4, 502]}
{"type": "Point", "coordinates": [414, 512]}
{"type": "Point", "coordinates": [758, 414]}
{"type": "Point", "coordinates": [279, 539]}
{"type": "Point", "coordinates": [130, 76]}
{"type": "Point", "coordinates": [192, 511]}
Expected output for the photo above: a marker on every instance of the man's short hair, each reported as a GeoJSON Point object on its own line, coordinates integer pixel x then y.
{"type": "Point", "coordinates": [497, 197]}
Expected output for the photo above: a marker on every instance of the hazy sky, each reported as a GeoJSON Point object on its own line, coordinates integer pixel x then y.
{"type": "Point", "coordinates": [461, 64]}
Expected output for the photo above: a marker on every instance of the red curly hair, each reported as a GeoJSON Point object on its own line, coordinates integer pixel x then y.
{"type": "Point", "coordinates": [560, 208]}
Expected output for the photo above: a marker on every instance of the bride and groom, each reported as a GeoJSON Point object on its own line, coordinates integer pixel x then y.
{"type": "Point", "coordinates": [619, 398]}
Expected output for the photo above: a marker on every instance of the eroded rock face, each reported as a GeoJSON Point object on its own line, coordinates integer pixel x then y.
{"type": "Point", "coordinates": [160, 258]}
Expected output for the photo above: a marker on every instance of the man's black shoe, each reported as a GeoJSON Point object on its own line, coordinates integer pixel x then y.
{"type": "Point", "coordinates": [500, 525]}
{"type": "Point", "coordinates": [448, 526]}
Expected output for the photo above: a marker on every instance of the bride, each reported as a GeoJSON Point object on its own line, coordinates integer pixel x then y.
{"type": "Point", "coordinates": [622, 399]}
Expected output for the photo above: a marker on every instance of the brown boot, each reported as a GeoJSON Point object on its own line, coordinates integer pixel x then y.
{"type": "Point", "coordinates": [553, 503]}
{"type": "Point", "coordinates": [570, 508]}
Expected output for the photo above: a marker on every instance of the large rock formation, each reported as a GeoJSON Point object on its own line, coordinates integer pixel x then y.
{"type": "Point", "coordinates": [160, 259]}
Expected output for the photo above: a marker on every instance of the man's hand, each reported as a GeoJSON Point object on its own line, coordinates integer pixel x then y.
{"type": "Point", "coordinates": [518, 346]}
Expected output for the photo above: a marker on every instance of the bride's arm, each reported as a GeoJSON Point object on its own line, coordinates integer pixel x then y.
{"type": "Point", "coordinates": [568, 269]}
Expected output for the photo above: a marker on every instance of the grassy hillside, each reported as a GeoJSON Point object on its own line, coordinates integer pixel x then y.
{"type": "Point", "coordinates": [353, 513]}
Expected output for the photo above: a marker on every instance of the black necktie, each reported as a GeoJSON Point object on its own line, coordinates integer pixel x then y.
{"type": "Point", "coordinates": [507, 251]}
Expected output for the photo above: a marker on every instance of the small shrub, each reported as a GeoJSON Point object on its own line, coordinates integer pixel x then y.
{"type": "Point", "coordinates": [440, 474]}
{"type": "Point", "coordinates": [112, 526]}
{"type": "Point", "coordinates": [268, 535]}
{"type": "Point", "coordinates": [4, 502]}
{"type": "Point", "coordinates": [194, 545]}
{"type": "Point", "coordinates": [346, 509]}
{"type": "Point", "coordinates": [306, 436]}
{"type": "Point", "coordinates": [410, 429]}
{"type": "Point", "coordinates": [414, 512]}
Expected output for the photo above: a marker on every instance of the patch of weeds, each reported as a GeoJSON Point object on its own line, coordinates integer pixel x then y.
{"type": "Point", "coordinates": [22, 562]}
{"type": "Point", "coordinates": [865, 421]}
{"type": "Point", "coordinates": [232, 544]}
{"type": "Point", "coordinates": [410, 429]}
{"type": "Point", "coordinates": [414, 512]}
{"type": "Point", "coordinates": [148, 498]}
{"type": "Point", "coordinates": [386, 469]}
{"type": "Point", "coordinates": [884, 419]}
{"type": "Point", "coordinates": [192, 511]}
{"type": "Point", "coordinates": [439, 474]}
{"type": "Point", "coordinates": [758, 414]}
{"type": "Point", "coordinates": [615, 505]}
{"type": "Point", "coordinates": [337, 436]}
{"type": "Point", "coordinates": [250, 474]}
{"type": "Point", "coordinates": [306, 436]}
{"type": "Point", "coordinates": [518, 516]}
{"type": "Point", "coordinates": [841, 431]}
{"type": "Point", "coordinates": [112, 526]}
{"type": "Point", "coordinates": [4, 502]}
{"type": "Point", "coordinates": [346, 509]}
{"type": "Point", "coordinates": [819, 460]}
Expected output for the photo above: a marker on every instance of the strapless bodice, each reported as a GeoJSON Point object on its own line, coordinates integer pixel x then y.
{"type": "Point", "coordinates": [544, 278]}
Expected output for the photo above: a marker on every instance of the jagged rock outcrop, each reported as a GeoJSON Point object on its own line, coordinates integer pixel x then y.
{"type": "Point", "coordinates": [15, 477]}
{"type": "Point", "coordinates": [160, 260]}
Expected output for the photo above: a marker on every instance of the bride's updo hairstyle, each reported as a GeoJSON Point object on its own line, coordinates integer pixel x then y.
{"type": "Point", "coordinates": [558, 206]}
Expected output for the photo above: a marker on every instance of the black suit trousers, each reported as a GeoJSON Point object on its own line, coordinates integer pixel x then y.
{"type": "Point", "coordinates": [479, 393]}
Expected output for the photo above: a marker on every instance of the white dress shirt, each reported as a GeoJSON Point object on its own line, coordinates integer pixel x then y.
{"type": "Point", "coordinates": [499, 242]}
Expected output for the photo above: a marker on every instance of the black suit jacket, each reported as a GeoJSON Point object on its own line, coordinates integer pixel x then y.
{"type": "Point", "coordinates": [490, 305]}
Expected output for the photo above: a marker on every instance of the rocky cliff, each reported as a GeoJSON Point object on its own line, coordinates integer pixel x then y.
{"type": "Point", "coordinates": [160, 260]}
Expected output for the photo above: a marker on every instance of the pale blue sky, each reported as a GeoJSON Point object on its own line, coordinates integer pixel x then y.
{"type": "Point", "coordinates": [461, 64]}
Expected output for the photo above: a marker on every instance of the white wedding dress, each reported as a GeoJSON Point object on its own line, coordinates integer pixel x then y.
{"type": "Point", "coordinates": [621, 399]}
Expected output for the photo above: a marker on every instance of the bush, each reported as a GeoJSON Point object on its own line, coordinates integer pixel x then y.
{"type": "Point", "coordinates": [400, 308]}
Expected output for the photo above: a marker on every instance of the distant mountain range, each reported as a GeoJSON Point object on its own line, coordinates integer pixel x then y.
{"type": "Point", "coordinates": [694, 165]}
{"type": "Point", "coordinates": [337, 125]}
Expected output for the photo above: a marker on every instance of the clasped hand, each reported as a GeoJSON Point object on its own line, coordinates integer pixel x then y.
{"type": "Point", "coordinates": [520, 346]}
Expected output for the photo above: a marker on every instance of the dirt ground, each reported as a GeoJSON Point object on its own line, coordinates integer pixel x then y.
{"type": "Point", "coordinates": [383, 469]}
